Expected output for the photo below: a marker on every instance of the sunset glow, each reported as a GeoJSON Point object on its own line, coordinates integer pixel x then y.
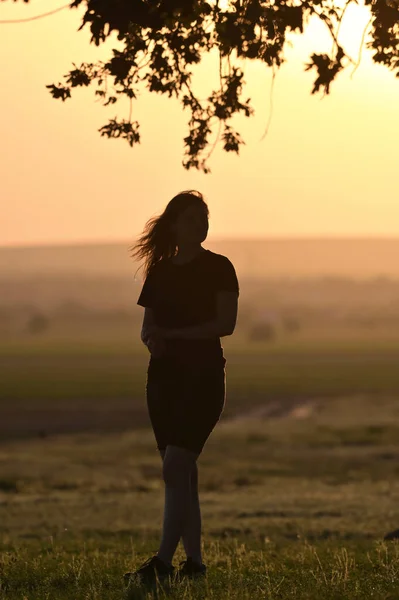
{"type": "Point", "coordinates": [326, 168]}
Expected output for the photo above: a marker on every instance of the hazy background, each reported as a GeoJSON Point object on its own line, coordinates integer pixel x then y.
{"type": "Point", "coordinates": [70, 329]}
{"type": "Point", "coordinates": [347, 279]}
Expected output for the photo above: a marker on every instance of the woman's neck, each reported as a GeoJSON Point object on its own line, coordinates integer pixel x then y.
{"type": "Point", "coordinates": [189, 250]}
{"type": "Point", "coordinates": [186, 254]}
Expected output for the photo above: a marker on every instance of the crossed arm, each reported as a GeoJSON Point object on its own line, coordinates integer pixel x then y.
{"type": "Point", "coordinates": [224, 324]}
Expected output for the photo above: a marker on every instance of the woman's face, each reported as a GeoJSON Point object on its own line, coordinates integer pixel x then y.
{"type": "Point", "coordinates": [192, 224]}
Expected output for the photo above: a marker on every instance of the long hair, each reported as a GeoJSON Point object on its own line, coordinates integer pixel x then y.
{"type": "Point", "coordinates": [158, 241]}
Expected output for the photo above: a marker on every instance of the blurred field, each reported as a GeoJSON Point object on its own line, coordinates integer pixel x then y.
{"type": "Point", "coordinates": [93, 378]}
{"type": "Point", "coordinates": [298, 481]}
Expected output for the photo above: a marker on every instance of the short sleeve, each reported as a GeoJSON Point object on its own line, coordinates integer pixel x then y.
{"type": "Point", "coordinates": [226, 277]}
{"type": "Point", "coordinates": [147, 294]}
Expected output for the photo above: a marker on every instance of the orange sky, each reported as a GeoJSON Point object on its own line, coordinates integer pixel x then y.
{"type": "Point", "coordinates": [327, 167]}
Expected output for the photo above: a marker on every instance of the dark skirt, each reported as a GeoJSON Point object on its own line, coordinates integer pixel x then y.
{"type": "Point", "coordinates": [185, 401]}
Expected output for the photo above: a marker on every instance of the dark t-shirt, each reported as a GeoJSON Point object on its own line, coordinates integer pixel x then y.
{"type": "Point", "coordinates": [185, 295]}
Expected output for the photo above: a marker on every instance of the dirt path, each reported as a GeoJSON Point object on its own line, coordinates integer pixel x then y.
{"type": "Point", "coordinates": [22, 423]}
{"type": "Point", "coordinates": [297, 408]}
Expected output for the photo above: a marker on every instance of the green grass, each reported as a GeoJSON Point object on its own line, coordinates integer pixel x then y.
{"type": "Point", "coordinates": [291, 508]}
{"type": "Point", "coordinates": [63, 370]}
{"type": "Point", "coordinates": [299, 571]}
{"type": "Point", "coordinates": [294, 506]}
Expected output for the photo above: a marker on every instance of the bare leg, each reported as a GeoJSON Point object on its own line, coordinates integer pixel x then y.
{"type": "Point", "coordinates": [192, 531]}
{"type": "Point", "coordinates": [177, 465]}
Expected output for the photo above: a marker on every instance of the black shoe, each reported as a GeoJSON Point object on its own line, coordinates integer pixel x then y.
{"type": "Point", "coordinates": [189, 568]}
{"type": "Point", "coordinates": [149, 571]}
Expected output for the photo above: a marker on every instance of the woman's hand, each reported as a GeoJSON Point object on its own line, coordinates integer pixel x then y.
{"type": "Point", "coordinates": [156, 342]}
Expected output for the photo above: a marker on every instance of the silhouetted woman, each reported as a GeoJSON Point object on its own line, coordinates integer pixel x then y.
{"type": "Point", "coordinates": [190, 296]}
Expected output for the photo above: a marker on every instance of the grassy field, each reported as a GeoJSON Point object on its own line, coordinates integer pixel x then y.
{"type": "Point", "coordinates": [298, 482]}
{"type": "Point", "coordinates": [95, 380]}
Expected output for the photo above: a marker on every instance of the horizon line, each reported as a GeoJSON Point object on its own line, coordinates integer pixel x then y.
{"type": "Point", "coordinates": [319, 237]}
